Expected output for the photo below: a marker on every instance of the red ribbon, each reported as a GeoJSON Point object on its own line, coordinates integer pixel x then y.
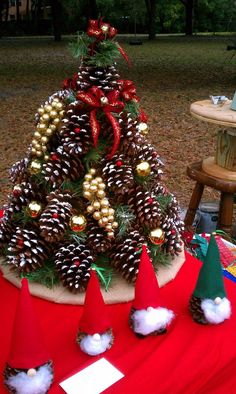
{"type": "Point", "coordinates": [127, 89]}
{"type": "Point", "coordinates": [70, 83]}
{"type": "Point", "coordinates": [109, 104]}
{"type": "Point", "coordinates": [99, 29]}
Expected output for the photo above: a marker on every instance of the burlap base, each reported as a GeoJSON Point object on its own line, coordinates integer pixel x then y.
{"type": "Point", "coordinates": [119, 291]}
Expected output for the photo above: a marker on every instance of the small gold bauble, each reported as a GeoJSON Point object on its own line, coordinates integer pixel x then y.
{"type": "Point", "coordinates": [115, 225]}
{"type": "Point", "coordinates": [92, 171]}
{"type": "Point", "coordinates": [46, 157]}
{"type": "Point", "coordinates": [104, 100]}
{"type": "Point", "coordinates": [110, 234]}
{"type": "Point", "coordinates": [35, 167]}
{"type": "Point", "coordinates": [46, 117]}
{"type": "Point", "coordinates": [100, 193]}
{"type": "Point", "coordinates": [38, 146]}
{"type": "Point", "coordinates": [143, 128]}
{"type": "Point", "coordinates": [86, 186]}
{"type": "Point", "coordinates": [97, 215]}
{"type": "Point", "coordinates": [33, 150]}
{"type": "Point", "coordinates": [31, 372]}
{"type": "Point", "coordinates": [37, 135]}
{"type": "Point", "coordinates": [94, 182]}
{"type": "Point", "coordinates": [101, 186]}
{"type": "Point", "coordinates": [157, 236]}
{"type": "Point", "coordinates": [42, 126]}
{"type": "Point", "coordinates": [39, 153]}
{"type": "Point", "coordinates": [104, 220]}
{"type": "Point", "coordinates": [59, 106]}
{"type": "Point", "coordinates": [108, 227]}
{"type": "Point", "coordinates": [43, 148]}
{"type": "Point", "coordinates": [56, 99]}
{"type": "Point", "coordinates": [53, 114]}
{"type": "Point", "coordinates": [78, 223]}
{"type": "Point", "coordinates": [88, 177]}
{"type": "Point", "coordinates": [143, 168]}
{"type": "Point", "coordinates": [41, 111]}
{"type": "Point", "coordinates": [100, 222]}
{"type": "Point", "coordinates": [111, 218]}
{"type": "Point", "coordinates": [87, 195]}
{"type": "Point", "coordinates": [56, 121]}
{"type": "Point", "coordinates": [34, 209]}
{"type": "Point", "coordinates": [34, 142]}
{"type": "Point", "coordinates": [96, 204]}
{"type": "Point", "coordinates": [53, 127]}
{"type": "Point", "coordinates": [48, 132]}
{"type": "Point", "coordinates": [62, 113]}
{"type": "Point", "coordinates": [99, 179]}
{"type": "Point", "coordinates": [104, 202]}
{"type": "Point", "coordinates": [90, 208]}
{"type": "Point", "coordinates": [111, 211]}
{"type": "Point", "coordinates": [44, 139]}
{"type": "Point", "coordinates": [48, 108]}
{"type": "Point", "coordinates": [105, 29]}
{"type": "Point", "coordinates": [93, 188]}
{"type": "Point", "coordinates": [105, 211]}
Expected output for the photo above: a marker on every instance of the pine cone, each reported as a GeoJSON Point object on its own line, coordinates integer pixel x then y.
{"type": "Point", "coordinates": [55, 217]}
{"type": "Point", "coordinates": [73, 263]}
{"type": "Point", "coordinates": [96, 238]}
{"type": "Point", "coordinates": [27, 251]}
{"type": "Point", "coordinates": [118, 174]}
{"type": "Point", "coordinates": [104, 77]}
{"type": "Point", "coordinates": [173, 241]}
{"type": "Point", "coordinates": [7, 227]}
{"type": "Point", "coordinates": [145, 207]}
{"type": "Point", "coordinates": [18, 172]}
{"type": "Point", "coordinates": [126, 255]}
{"type": "Point", "coordinates": [148, 153]}
{"type": "Point", "coordinates": [22, 195]}
{"type": "Point", "coordinates": [62, 166]}
{"type": "Point", "coordinates": [76, 131]}
{"type": "Point", "coordinates": [131, 139]}
{"type": "Point", "coordinates": [196, 310]}
{"type": "Point", "coordinates": [10, 372]}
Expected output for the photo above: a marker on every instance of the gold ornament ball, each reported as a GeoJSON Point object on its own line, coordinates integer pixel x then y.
{"type": "Point", "coordinates": [96, 204]}
{"type": "Point", "coordinates": [100, 193]}
{"type": "Point", "coordinates": [143, 128]}
{"type": "Point", "coordinates": [34, 142]}
{"type": "Point", "coordinates": [56, 121]}
{"type": "Point", "coordinates": [143, 169]}
{"type": "Point", "coordinates": [46, 157]}
{"type": "Point", "coordinates": [53, 127]}
{"type": "Point", "coordinates": [115, 225]}
{"type": "Point", "coordinates": [35, 167]}
{"type": "Point", "coordinates": [105, 220]}
{"type": "Point", "coordinates": [78, 223]}
{"type": "Point", "coordinates": [87, 195]}
{"type": "Point", "coordinates": [37, 135]}
{"type": "Point", "coordinates": [44, 148]}
{"type": "Point", "coordinates": [38, 146]}
{"type": "Point", "coordinates": [46, 117]}
{"type": "Point", "coordinates": [94, 182]}
{"type": "Point", "coordinates": [100, 223]}
{"type": "Point", "coordinates": [90, 208]}
{"type": "Point", "coordinates": [111, 211]}
{"type": "Point", "coordinates": [41, 111]}
{"type": "Point", "coordinates": [34, 209]}
{"type": "Point", "coordinates": [44, 139]}
{"type": "Point", "coordinates": [105, 211]}
{"type": "Point", "coordinates": [105, 29]}
{"type": "Point", "coordinates": [93, 188]}
{"type": "Point", "coordinates": [110, 218]}
{"type": "Point", "coordinates": [53, 114]}
{"type": "Point", "coordinates": [48, 107]}
{"type": "Point", "coordinates": [33, 151]}
{"type": "Point", "coordinates": [98, 179]}
{"type": "Point", "coordinates": [110, 234]}
{"type": "Point", "coordinates": [62, 113]}
{"type": "Point", "coordinates": [104, 100]}
{"type": "Point", "coordinates": [42, 126]}
{"type": "Point", "coordinates": [108, 227]}
{"type": "Point", "coordinates": [39, 153]}
{"type": "Point", "coordinates": [59, 106]}
{"type": "Point", "coordinates": [86, 186]}
{"type": "Point", "coordinates": [92, 171]}
{"type": "Point", "coordinates": [101, 186]}
{"type": "Point", "coordinates": [97, 215]}
{"type": "Point", "coordinates": [48, 132]}
{"type": "Point", "coordinates": [157, 236]}
{"type": "Point", "coordinates": [104, 203]}
{"type": "Point", "coordinates": [88, 177]}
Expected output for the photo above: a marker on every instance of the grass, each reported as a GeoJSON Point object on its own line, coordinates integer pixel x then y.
{"type": "Point", "coordinates": [169, 73]}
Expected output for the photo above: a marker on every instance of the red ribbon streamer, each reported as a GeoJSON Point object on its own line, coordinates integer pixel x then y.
{"type": "Point", "coordinates": [127, 89]}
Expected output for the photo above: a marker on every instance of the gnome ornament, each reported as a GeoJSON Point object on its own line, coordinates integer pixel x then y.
{"type": "Point", "coordinates": [147, 317]}
{"type": "Point", "coordinates": [95, 334]}
{"type": "Point", "coordinates": [28, 369]}
{"type": "Point", "coordinates": [209, 303]}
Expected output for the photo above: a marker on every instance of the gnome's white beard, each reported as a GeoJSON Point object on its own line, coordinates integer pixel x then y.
{"type": "Point", "coordinates": [216, 313]}
{"type": "Point", "coordinates": [93, 346]}
{"type": "Point", "coordinates": [38, 384]}
{"type": "Point", "coordinates": [146, 321]}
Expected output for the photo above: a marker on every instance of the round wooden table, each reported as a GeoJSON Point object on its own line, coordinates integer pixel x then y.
{"type": "Point", "coordinates": [218, 172]}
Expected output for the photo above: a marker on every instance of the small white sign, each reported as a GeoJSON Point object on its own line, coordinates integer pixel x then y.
{"type": "Point", "coordinates": [92, 380]}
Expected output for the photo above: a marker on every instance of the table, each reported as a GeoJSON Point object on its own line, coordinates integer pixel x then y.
{"type": "Point", "coordinates": [218, 172]}
{"type": "Point", "coordinates": [189, 359]}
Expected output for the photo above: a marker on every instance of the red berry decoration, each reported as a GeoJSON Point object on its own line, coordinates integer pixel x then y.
{"type": "Point", "coordinates": [20, 242]}
{"type": "Point", "coordinates": [150, 200]}
{"type": "Point", "coordinates": [54, 157]}
{"type": "Point", "coordinates": [119, 163]}
{"type": "Point", "coordinates": [55, 215]}
{"type": "Point", "coordinates": [76, 263]}
{"type": "Point", "coordinates": [77, 130]}
{"type": "Point", "coordinates": [173, 231]}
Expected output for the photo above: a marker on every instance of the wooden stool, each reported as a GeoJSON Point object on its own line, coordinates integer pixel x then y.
{"type": "Point", "coordinates": [227, 189]}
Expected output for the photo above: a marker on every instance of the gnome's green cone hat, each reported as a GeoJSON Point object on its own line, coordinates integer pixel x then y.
{"type": "Point", "coordinates": [210, 280]}
{"type": "Point", "coordinates": [209, 303]}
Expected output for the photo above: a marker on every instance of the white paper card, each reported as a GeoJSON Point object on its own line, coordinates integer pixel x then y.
{"type": "Point", "coordinates": [92, 380]}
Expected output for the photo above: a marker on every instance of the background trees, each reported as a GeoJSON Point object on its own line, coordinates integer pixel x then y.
{"type": "Point", "coordinates": [133, 16]}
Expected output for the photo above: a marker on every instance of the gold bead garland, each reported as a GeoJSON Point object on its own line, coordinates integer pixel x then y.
{"type": "Point", "coordinates": [99, 207]}
{"type": "Point", "coordinates": [50, 116]}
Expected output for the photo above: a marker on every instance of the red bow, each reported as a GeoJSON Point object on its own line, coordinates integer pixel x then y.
{"type": "Point", "coordinates": [99, 29]}
{"type": "Point", "coordinates": [127, 90]}
{"type": "Point", "coordinates": [70, 83]}
{"type": "Point", "coordinates": [109, 103]}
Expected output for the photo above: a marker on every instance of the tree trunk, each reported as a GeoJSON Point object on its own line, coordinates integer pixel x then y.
{"type": "Point", "coordinates": [7, 11]}
{"type": "Point", "coordinates": [151, 13]}
{"type": "Point", "coordinates": [189, 7]}
{"type": "Point", "coordinates": [56, 18]}
{"type": "Point", "coordinates": [17, 12]}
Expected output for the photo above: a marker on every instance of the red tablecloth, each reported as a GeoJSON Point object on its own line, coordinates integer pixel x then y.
{"type": "Point", "coordinates": [189, 359]}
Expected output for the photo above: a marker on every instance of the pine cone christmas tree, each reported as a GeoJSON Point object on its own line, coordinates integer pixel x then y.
{"type": "Point", "coordinates": [62, 166]}
{"type": "Point", "coordinates": [73, 263]}
{"type": "Point", "coordinates": [126, 255]}
{"type": "Point", "coordinates": [147, 209]}
{"type": "Point", "coordinates": [76, 130]}
{"type": "Point", "coordinates": [55, 217]}
{"type": "Point", "coordinates": [27, 251]}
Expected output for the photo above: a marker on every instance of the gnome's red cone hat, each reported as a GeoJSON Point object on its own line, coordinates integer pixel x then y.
{"type": "Point", "coordinates": [94, 318]}
{"type": "Point", "coordinates": [27, 347]}
{"type": "Point", "coordinates": [147, 292]}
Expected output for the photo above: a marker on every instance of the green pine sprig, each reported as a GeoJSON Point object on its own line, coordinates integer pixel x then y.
{"type": "Point", "coordinates": [104, 270]}
{"type": "Point", "coordinates": [80, 47]}
{"type": "Point", "coordinates": [74, 187]}
{"type": "Point", "coordinates": [164, 202]}
{"type": "Point", "coordinates": [132, 107]}
{"type": "Point", "coordinates": [158, 256]}
{"type": "Point", "coordinates": [79, 238]}
{"type": "Point", "coordinates": [105, 54]}
{"type": "Point", "coordinates": [125, 217]}
{"type": "Point", "coordinates": [95, 154]}
{"type": "Point", "coordinates": [46, 275]}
